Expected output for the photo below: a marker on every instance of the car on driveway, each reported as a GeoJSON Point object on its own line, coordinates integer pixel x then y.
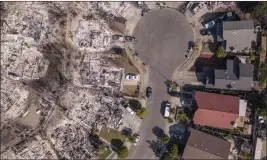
{"type": "Point", "coordinates": [167, 110]}
{"type": "Point", "coordinates": [129, 110]}
{"type": "Point", "coordinates": [177, 136]}
{"type": "Point", "coordinates": [209, 24]}
{"type": "Point", "coordinates": [136, 139]}
{"type": "Point", "coordinates": [148, 92]}
{"type": "Point", "coordinates": [131, 76]}
{"type": "Point", "coordinates": [205, 32]}
{"type": "Point", "coordinates": [187, 103]}
{"type": "Point", "coordinates": [118, 37]}
{"type": "Point", "coordinates": [130, 39]}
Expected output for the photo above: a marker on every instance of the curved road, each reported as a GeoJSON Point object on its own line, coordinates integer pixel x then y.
{"type": "Point", "coordinates": [163, 37]}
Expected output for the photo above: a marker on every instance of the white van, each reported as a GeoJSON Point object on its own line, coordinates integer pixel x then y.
{"type": "Point", "coordinates": [167, 110]}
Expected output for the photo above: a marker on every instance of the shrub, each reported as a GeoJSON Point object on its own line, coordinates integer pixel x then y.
{"type": "Point", "coordinates": [220, 53]}
{"type": "Point", "coordinates": [132, 138]}
{"type": "Point", "coordinates": [141, 112]}
{"type": "Point", "coordinates": [181, 116]}
{"type": "Point", "coordinates": [170, 120]}
{"type": "Point", "coordinates": [123, 152]}
{"type": "Point", "coordinates": [174, 150]}
{"type": "Point", "coordinates": [252, 57]}
{"type": "Point", "coordinates": [165, 138]}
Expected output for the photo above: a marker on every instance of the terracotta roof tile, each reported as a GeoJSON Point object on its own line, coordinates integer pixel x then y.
{"type": "Point", "coordinates": [215, 118]}
{"type": "Point", "coordinates": [217, 102]}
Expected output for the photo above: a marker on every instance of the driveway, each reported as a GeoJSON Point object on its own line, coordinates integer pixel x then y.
{"type": "Point", "coordinates": [163, 37]}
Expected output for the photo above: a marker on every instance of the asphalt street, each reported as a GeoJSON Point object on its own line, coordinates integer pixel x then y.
{"type": "Point", "coordinates": [163, 37]}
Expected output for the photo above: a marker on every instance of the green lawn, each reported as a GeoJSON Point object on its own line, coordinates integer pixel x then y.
{"type": "Point", "coordinates": [105, 154]}
{"type": "Point", "coordinates": [108, 134]}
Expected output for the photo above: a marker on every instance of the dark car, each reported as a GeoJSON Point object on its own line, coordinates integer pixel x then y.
{"type": "Point", "coordinates": [205, 32]}
{"type": "Point", "coordinates": [130, 39]}
{"type": "Point", "coordinates": [148, 92]}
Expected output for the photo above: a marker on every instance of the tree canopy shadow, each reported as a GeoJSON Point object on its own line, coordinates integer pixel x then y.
{"type": "Point", "coordinates": [158, 132]}
{"type": "Point", "coordinates": [116, 143]}
{"type": "Point", "coordinates": [135, 104]}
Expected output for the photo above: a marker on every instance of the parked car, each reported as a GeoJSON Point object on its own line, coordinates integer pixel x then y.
{"type": "Point", "coordinates": [205, 32]}
{"type": "Point", "coordinates": [209, 24]}
{"type": "Point", "coordinates": [129, 110]}
{"type": "Point", "coordinates": [186, 103]}
{"type": "Point", "coordinates": [130, 39]}
{"type": "Point", "coordinates": [118, 37]}
{"type": "Point", "coordinates": [148, 92]}
{"type": "Point", "coordinates": [131, 76]}
{"type": "Point", "coordinates": [140, 4]}
{"type": "Point", "coordinates": [136, 139]}
{"type": "Point", "coordinates": [167, 110]}
{"type": "Point", "coordinates": [177, 136]}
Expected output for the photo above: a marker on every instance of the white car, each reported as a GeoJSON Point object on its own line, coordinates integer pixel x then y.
{"type": "Point", "coordinates": [118, 38]}
{"type": "Point", "coordinates": [130, 76]}
{"type": "Point", "coordinates": [129, 110]}
{"type": "Point", "coordinates": [167, 110]}
{"type": "Point", "coordinates": [209, 24]}
{"type": "Point", "coordinates": [136, 139]}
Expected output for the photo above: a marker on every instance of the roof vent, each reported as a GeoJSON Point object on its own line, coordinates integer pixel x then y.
{"type": "Point", "coordinates": [206, 149]}
{"type": "Point", "coordinates": [234, 32]}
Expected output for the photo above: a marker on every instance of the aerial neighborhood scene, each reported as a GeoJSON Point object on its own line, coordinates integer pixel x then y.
{"type": "Point", "coordinates": [165, 80]}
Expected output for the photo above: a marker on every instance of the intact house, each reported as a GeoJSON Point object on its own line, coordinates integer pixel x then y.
{"type": "Point", "coordinates": [236, 76]}
{"type": "Point", "coordinates": [204, 146]}
{"type": "Point", "coordinates": [219, 111]}
{"type": "Point", "coordinates": [236, 36]}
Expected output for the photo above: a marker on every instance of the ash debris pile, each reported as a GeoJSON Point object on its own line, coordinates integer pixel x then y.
{"type": "Point", "coordinates": [55, 81]}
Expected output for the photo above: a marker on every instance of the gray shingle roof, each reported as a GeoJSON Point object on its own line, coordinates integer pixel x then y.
{"type": "Point", "coordinates": [204, 146]}
{"type": "Point", "coordinates": [237, 25]}
{"type": "Point", "coordinates": [246, 70]}
{"type": "Point", "coordinates": [237, 75]}
{"type": "Point", "coordinates": [238, 35]}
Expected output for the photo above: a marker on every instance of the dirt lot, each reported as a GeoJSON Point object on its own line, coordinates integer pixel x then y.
{"type": "Point", "coordinates": [130, 90]}
{"type": "Point", "coordinates": [124, 62]}
{"type": "Point", "coordinates": [207, 58]}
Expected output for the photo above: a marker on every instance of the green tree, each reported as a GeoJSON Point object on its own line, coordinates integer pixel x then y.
{"type": "Point", "coordinates": [181, 116]}
{"type": "Point", "coordinates": [259, 12]}
{"type": "Point", "coordinates": [165, 138]}
{"type": "Point", "coordinates": [166, 156]}
{"type": "Point", "coordinates": [263, 74]}
{"type": "Point", "coordinates": [135, 104]}
{"type": "Point", "coordinates": [252, 56]}
{"type": "Point", "coordinates": [245, 155]}
{"type": "Point", "coordinates": [260, 50]}
{"type": "Point", "coordinates": [122, 152]}
{"type": "Point", "coordinates": [220, 53]}
{"type": "Point", "coordinates": [132, 138]}
{"type": "Point", "coordinates": [259, 101]}
{"type": "Point", "coordinates": [174, 150]}
{"type": "Point", "coordinates": [141, 112]}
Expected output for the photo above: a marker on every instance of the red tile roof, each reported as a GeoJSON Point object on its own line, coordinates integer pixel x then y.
{"type": "Point", "coordinates": [215, 118]}
{"type": "Point", "coordinates": [216, 110]}
{"type": "Point", "coordinates": [217, 102]}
